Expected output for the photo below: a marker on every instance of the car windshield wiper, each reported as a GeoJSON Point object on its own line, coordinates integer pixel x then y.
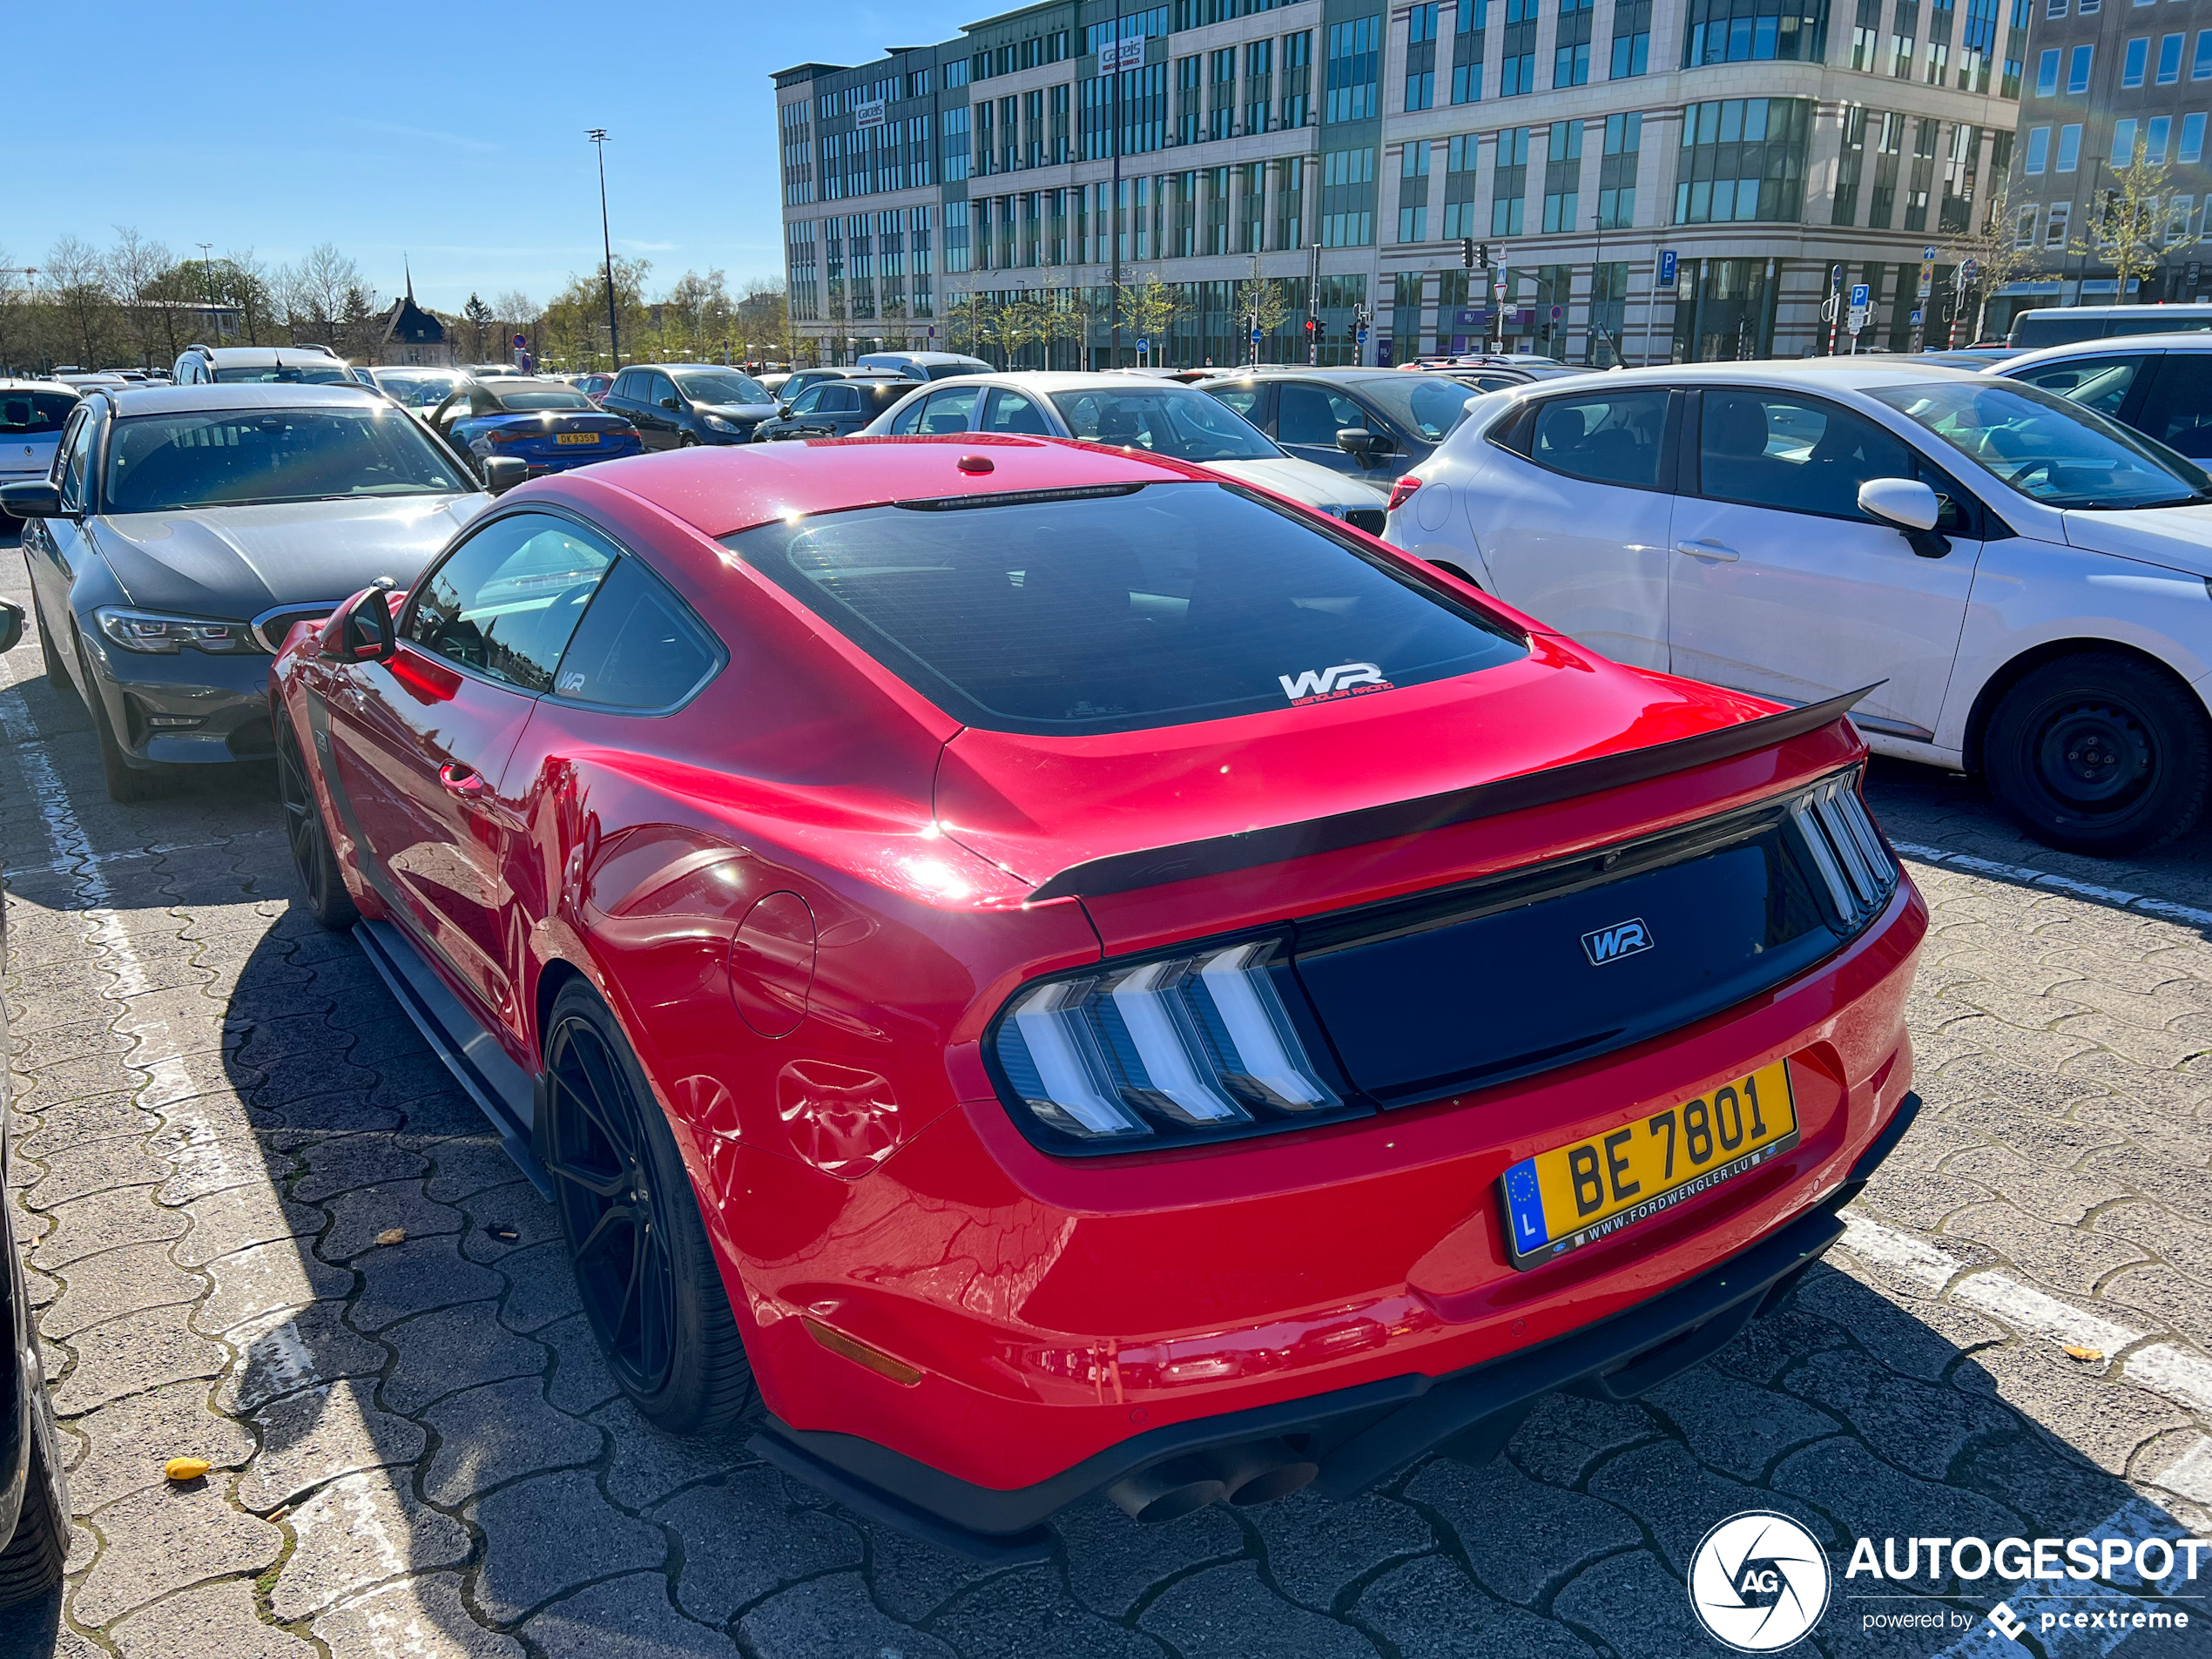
{"type": "Point", "coordinates": [2195, 498]}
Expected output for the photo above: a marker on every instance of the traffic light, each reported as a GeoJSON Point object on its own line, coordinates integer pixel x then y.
{"type": "Point", "coordinates": [1309, 325]}
{"type": "Point", "coordinates": [1467, 251]}
{"type": "Point", "coordinates": [1483, 255]}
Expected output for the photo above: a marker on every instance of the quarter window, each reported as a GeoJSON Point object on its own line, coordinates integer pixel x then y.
{"type": "Point", "coordinates": [638, 646]}
{"type": "Point", "coordinates": [505, 602]}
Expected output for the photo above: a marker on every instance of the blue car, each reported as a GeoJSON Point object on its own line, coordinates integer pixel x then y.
{"type": "Point", "coordinates": [547, 425]}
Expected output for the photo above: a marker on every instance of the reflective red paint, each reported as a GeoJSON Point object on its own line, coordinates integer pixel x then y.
{"type": "Point", "coordinates": [803, 896]}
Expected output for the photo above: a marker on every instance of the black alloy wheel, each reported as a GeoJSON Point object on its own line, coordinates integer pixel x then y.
{"type": "Point", "coordinates": [308, 838]}
{"type": "Point", "coordinates": [2100, 753]}
{"type": "Point", "coordinates": [644, 1268]}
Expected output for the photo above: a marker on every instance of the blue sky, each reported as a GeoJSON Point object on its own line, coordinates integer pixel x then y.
{"type": "Point", "coordinates": [454, 133]}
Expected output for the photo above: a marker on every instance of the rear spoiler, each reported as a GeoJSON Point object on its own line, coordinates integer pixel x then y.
{"type": "Point", "coordinates": [1244, 850]}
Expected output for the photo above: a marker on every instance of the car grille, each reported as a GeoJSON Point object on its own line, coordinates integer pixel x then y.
{"type": "Point", "coordinates": [271, 626]}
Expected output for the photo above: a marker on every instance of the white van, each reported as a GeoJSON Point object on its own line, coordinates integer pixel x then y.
{"type": "Point", "coordinates": [2064, 325]}
{"type": "Point", "coordinates": [924, 365]}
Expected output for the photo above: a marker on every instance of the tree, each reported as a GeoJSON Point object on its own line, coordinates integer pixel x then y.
{"type": "Point", "coordinates": [1263, 302]}
{"type": "Point", "coordinates": [316, 292]}
{"type": "Point", "coordinates": [2132, 228]}
{"type": "Point", "coordinates": [16, 316]}
{"type": "Point", "coordinates": [241, 280]}
{"type": "Point", "coordinates": [475, 322]}
{"type": "Point", "coordinates": [150, 293]}
{"type": "Point", "coordinates": [75, 282]}
{"type": "Point", "coordinates": [1150, 308]}
{"type": "Point", "coordinates": [1996, 260]}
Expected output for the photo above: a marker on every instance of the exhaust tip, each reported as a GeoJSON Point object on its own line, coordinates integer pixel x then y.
{"type": "Point", "coordinates": [1168, 1491]}
{"type": "Point", "coordinates": [1262, 1471]}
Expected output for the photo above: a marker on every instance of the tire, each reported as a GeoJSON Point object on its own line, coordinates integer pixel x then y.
{"type": "Point", "coordinates": [125, 783]}
{"type": "Point", "coordinates": [687, 442]}
{"type": "Point", "coordinates": [56, 665]}
{"type": "Point", "coordinates": [313, 858]}
{"type": "Point", "coordinates": [32, 1564]}
{"type": "Point", "coordinates": [643, 1266]}
{"type": "Point", "coordinates": [2100, 753]}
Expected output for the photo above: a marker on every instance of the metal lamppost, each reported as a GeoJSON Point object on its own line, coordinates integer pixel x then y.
{"type": "Point", "coordinates": [207, 272]}
{"type": "Point", "coordinates": [1114, 214]}
{"type": "Point", "coordinates": [1597, 264]}
{"type": "Point", "coordinates": [598, 136]}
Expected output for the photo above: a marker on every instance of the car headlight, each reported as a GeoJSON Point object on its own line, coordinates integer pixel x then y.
{"type": "Point", "coordinates": [1198, 1046]}
{"type": "Point", "coordinates": [718, 424]}
{"type": "Point", "coordinates": [154, 634]}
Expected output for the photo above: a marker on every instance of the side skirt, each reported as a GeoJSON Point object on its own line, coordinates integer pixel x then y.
{"type": "Point", "coordinates": [502, 1091]}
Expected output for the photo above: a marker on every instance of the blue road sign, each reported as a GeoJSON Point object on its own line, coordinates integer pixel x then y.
{"type": "Point", "coordinates": [1145, 345]}
{"type": "Point", "coordinates": [1667, 267]}
{"type": "Point", "coordinates": [1858, 296]}
{"type": "Point", "coordinates": [1255, 336]}
{"type": "Point", "coordinates": [1916, 319]}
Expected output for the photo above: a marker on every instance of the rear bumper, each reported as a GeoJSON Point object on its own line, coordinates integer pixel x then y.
{"type": "Point", "coordinates": [1359, 1434]}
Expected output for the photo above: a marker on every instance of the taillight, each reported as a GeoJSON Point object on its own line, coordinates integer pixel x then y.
{"type": "Point", "coordinates": [507, 435]}
{"type": "Point", "coordinates": [1402, 491]}
{"type": "Point", "coordinates": [1177, 1048]}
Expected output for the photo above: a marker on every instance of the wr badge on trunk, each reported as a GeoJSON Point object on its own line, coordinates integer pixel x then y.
{"type": "Point", "coordinates": [1604, 945]}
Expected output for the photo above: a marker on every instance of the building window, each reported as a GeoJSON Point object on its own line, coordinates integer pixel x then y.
{"type": "Point", "coordinates": [2178, 212]}
{"type": "Point", "coordinates": [2069, 149]}
{"type": "Point", "coordinates": [1563, 178]}
{"type": "Point", "coordinates": [1571, 47]}
{"type": "Point", "coordinates": [1189, 91]}
{"type": "Point", "coordinates": [1298, 80]}
{"type": "Point", "coordinates": [2192, 146]}
{"type": "Point", "coordinates": [1509, 182]}
{"type": "Point", "coordinates": [1348, 198]}
{"type": "Point", "coordinates": [1923, 180]}
{"type": "Point", "coordinates": [1421, 56]}
{"type": "Point", "coordinates": [2054, 7]}
{"type": "Point", "coordinates": [2047, 70]}
{"type": "Point", "coordinates": [1742, 31]}
{"type": "Point", "coordinates": [1517, 75]}
{"type": "Point", "coordinates": [2054, 227]}
{"type": "Point", "coordinates": [1743, 159]}
{"type": "Point", "coordinates": [2038, 150]}
{"type": "Point", "coordinates": [2131, 68]}
{"type": "Point", "coordinates": [1851, 168]}
{"type": "Point", "coordinates": [1978, 46]}
{"type": "Point", "coordinates": [2201, 64]}
{"type": "Point", "coordinates": [955, 150]}
{"type": "Point", "coordinates": [1355, 56]}
{"type": "Point", "coordinates": [1413, 194]}
{"type": "Point", "coordinates": [1259, 84]}
{"type": "Point", "coordinates": [2123, 143]}
{"type": "Point", "coordinates": [2169, 60]}
{"type": "Point", "coordinates": [2157, 132]}
{"type": "Point", "coordinates": [956, 251]}
{"type": "Point", "coordinates": [1460, 185]}
{"type": "Point", "coordinates": [1616, 172]}
{"type": "Point", "coordinates": [1471, 35]}
{"type": "Point", "coordinates": [1905, 29]}
{"type": "Point", "coordinates": [2024, 227]}
{"type": "Point", "coordinates": [1631, 38]}
{"type": "Point", "coordinates": [1221, 97]}
{"type": "Point", "coordinates": [2077, 72]}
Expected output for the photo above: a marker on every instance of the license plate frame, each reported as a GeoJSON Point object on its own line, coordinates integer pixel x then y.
{"type": "Point", "coordinates": [576, 437]}
{"type": "Point", "coordinates": [1540, 1198]}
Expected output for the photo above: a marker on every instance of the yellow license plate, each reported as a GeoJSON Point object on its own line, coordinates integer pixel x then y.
{"type": "Point", "coordinates": [1572, 1195]}
{"type": "Point", "coordinates": [576, 437]}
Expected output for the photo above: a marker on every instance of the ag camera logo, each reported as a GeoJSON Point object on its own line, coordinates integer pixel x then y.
{"type": "Point", "coordinates": [1759, 1582]}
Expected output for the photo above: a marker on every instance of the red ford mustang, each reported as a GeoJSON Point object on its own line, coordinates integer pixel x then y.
{"type": "Point", "coordinates": [1028, 968]}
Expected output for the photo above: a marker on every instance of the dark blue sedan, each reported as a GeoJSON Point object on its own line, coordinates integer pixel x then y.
{"type": "Point", "coordinates": [549, 426]}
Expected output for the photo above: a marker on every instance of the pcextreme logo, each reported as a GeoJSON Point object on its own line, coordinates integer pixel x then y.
{"type": "Point", "coordinates": [1325, 684]}
{"type": "Point", "coordinates": [1759, 1582]}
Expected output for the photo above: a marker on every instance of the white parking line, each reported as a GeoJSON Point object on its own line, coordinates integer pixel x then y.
{"type": "Point", "coordinates": [64, 866]}
{"type": "Point", "coordinates": [2118, 897]}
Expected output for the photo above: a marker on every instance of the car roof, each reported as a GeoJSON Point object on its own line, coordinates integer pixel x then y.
{"type": "Point", "coordinates": [262, 356]}
{"type": "Point", "coordinates": [925, 356]}
{"type": "Point", "coordinates": [299, 394]}
{"type": "Point", "coordinates": [1047, 381]}
{"type": "Point", "coordinates": [719, 489]}
{"type": "Point", "coordinates": [1344, 375]}
{"type": "Point", "coordinates": [2106, 345]}
{"type": "Point", "coordinates": [1824, 374]}
{"type": "Point", "coordinates": [26, 383]}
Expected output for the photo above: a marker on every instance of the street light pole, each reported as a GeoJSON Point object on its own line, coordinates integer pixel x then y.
{"type": "Point", "coordinates": [1114, 215]}
{"type": "Point", "coordinates": [1597, 264]}
{"type": "Point", "coordinates": [598, 136]}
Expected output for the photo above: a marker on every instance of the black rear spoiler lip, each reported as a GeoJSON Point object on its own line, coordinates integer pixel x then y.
{"type": "Point", "coordinates": [1245, 849]}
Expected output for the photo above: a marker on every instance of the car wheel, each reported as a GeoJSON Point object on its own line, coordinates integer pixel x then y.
{"type": "Point", "coordinates": [2100, 753]}
{"type": "Point", "coordinates": [686, 442]}
{"type": "Point", "coordinates": [312, 857]}
{"type": "Point", "coordinates": [32, 1564]}
{"type": "Point", "coordinates": [125, 782]}
{"type": "Point", "coordinates": [644, 1267]}
{"type": "Point", "coordinates": [56, 665]}
{"type": "Point", "coordinates": [1450, 568]}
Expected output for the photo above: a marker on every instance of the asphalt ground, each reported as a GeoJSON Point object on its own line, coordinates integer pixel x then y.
{"type": "Point", "coordinates": [416, 1452]}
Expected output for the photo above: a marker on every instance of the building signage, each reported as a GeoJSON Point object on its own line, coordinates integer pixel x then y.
{"type": "Point", "coordinates": [868, 115]}
{"type": "Point", "coordinates": [1121, 54]}
{"type": "Point", "coordinates": [1667, 268]}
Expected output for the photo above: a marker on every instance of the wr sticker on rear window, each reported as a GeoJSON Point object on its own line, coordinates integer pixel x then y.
{"type": "Point", "coordinates": [1327, 684]}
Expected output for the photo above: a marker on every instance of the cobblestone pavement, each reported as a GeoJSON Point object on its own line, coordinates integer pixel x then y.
{"type": "Point", "coordinates": [416, 1452]}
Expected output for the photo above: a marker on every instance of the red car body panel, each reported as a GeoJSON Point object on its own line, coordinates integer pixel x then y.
{"type": "Point", "coordinates": [803, 895]}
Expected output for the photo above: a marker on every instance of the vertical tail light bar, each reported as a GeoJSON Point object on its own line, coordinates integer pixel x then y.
{"type": "Point", "coordinates": [1840, 839]}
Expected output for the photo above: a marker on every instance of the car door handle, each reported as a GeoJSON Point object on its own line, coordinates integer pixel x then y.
{"type": "Point", "coordinates": [1707, 549]}
{"type": "Point", "coordinates": [464, 781]}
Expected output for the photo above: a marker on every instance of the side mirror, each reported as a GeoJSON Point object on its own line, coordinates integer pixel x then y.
{"type": "Point", "coordinates": [1911, 506]}
{"type": "Point", "coordinates": [502, 473]}
{"type": "Point", "coordinates": [668, 402]}
{"type": "Point", "coordinates": [1361, 444]}
{"type": "Point", "coordinates": [33, 499]}
{"type": "Point", "coordinates": [360, 629]}
{"type": "Point", "coordinates": [10, 624]}
{"type": "Point", "coordinates": [783, 405]}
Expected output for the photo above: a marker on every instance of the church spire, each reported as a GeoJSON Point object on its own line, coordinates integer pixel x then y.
{"type": "Point", "coordinates": [410, 278]}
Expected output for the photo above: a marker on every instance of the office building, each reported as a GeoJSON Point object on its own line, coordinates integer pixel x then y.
{"type": "Point", "coordinates": [992, 189]}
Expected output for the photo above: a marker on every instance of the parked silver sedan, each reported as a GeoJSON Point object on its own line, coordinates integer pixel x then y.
{"type": "Point", "coordinates": [1138, 412]}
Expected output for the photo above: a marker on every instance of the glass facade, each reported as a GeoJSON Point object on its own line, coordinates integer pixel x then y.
{"type": "Point", "coordinates": [1743, 159]}
{"type": "Point", "coordinates": [1743, 31]}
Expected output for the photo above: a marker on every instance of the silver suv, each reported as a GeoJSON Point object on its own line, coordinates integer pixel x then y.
{"type": "Point", "coordinates": [251, 365]}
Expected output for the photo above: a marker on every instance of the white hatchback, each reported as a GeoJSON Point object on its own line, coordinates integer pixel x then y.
{"type": "Point", "coordinates": [2024, 585]}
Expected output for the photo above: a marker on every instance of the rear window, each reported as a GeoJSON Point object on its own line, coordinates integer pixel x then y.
{"type": "Point", "coordinates": [1118, 609]}
{"type": "Point", "coordinates": [34, 414]}
{"type": "Point", "coordinates": [948, 371]}
{"type": "Point", "coordinates": [524, 402]}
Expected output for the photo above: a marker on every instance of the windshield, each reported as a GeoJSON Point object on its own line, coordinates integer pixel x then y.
{"type": "Point", "coordinates": [34, 414]}
{"type": "Point", "coordinates": [2049, 449]}
{"type": "Point", "coordinates": [1190, 426]}
{"type": "Point", "coordinates": [418, 391]}
{"type": "Point", "coordinates": [722, 389]}
{"type": "Point", "coordinates": [286, 373]}
{"type": "Point", "coordinates": [161, 462]}
{"type": "Point", "coordinates": [524, 403]}
{"type": "Point", "coordinates": [1426, 407]}
{"type": "Point", "coordinates": [1118, 609]}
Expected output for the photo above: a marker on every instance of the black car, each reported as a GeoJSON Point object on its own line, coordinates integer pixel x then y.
{"type": "Point", "coordinates": [1373, 423]}
{"type": "Point", "coordinates": [676, 405]}
{"type": "Point", "coordinates": [835, 409]}
{"type": "Point", "coordinates": [34, 1497]}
